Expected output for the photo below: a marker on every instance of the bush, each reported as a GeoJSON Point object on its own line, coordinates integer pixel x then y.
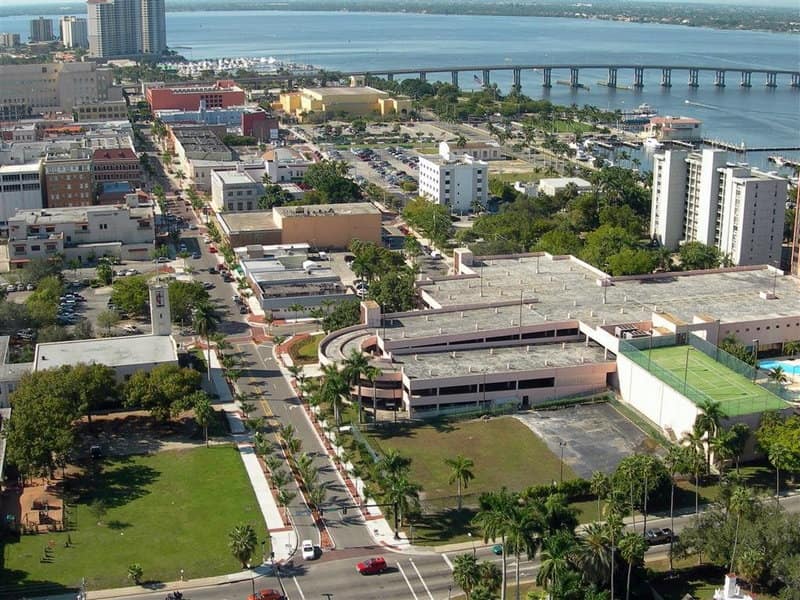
{"type": "Point", "coordinates": [573, 489]}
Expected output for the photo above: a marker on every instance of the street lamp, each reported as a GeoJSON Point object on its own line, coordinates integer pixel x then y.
{"type": "Point", "coordinates": [561, 476]}
{"type": "Point", "coordinates": [471, 539]}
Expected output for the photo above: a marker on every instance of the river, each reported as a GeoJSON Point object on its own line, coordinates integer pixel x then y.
{"type": "Point", "coordinates": [757, 116]}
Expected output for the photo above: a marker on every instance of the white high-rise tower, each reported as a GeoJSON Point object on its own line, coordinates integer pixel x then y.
{"type": "Point", "coordinates": [160, 316]}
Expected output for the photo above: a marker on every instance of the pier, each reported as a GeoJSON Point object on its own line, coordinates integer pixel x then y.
{"type": "Point", "coordinates": [742, 149]}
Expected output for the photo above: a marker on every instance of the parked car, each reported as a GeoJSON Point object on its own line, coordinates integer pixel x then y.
{"type": "Point", "coordinates": [207, 285]}
{"type": "Point", "coordinates": [658, 535]}
{"type": "Point", "coordinates": [30, 287]}
{"type": "Point", "coordinates": [212, 249]}
{"type": "Point", "coordinates": [372, 566]}
{"type": "Point", "coordinates": [11, 288]}
{"type": "Point", "coordinates": [131, 329]}
{"type": "Point", "coordinates": [243, 309]}
{"type": "Point", "coordinates": [163, 259]}
{"type": "Point", "coordinates": [196, 255]}
{"type": "Point", "coordinates": [308, 550]}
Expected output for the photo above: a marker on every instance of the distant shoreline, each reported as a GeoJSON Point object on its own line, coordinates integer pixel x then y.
{"type": "Point", "coordinates": [718, 17]}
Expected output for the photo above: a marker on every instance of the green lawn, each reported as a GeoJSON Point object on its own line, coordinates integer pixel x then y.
{"type": "Point", "coordinates": [512, 176]}
{"type": "Point", "coordinates": [306, 351]}
{"type": "Point", "coordinates": [505, 452]}
{"type": "Point", "coordinates": [168, 511]}
{"type": "Point", "coordinates": [737, 394]}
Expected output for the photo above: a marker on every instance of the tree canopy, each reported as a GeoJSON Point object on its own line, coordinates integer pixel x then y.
{"type": "Point", "coordinates": [130, 294]}
{"type": "Point", "coordinates": [165, 391]}
{"type": "Point", "coordinates": [330, 180]}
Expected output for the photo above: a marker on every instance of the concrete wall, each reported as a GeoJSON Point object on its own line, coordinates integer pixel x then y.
{"type": "Point", "coordinates": [330, 231]}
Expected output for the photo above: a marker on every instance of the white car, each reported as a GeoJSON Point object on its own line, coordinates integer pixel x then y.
{"type": "Point", "coordinates": [308, 550]}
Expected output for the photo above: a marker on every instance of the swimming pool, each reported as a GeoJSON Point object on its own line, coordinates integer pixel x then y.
{"type": "Point", "coordinates": [790, 367]}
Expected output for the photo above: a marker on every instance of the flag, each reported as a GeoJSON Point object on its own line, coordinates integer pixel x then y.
{"type": "Point", "coordinates": [477, 79]}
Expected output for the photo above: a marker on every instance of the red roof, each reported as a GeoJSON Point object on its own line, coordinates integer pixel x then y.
{"type": "Point", "coordinates": [105, 154]}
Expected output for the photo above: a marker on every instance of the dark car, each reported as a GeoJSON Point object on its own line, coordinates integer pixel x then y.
{"type": "Point", "coordinates": [658, 535]}
{"type": "Point", "coordinates": [372, 566]}
{"type": "Point", "coordinates": [243, 310]}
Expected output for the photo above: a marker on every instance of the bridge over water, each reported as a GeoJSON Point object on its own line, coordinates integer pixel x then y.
{"type": "Point", "coordinates": [745, 74]}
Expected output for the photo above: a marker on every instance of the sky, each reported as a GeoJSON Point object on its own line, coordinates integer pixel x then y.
{"type": "Point", "coordinates": [755, 3]}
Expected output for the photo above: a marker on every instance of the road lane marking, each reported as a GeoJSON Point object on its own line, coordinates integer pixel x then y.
{"type": "Point", "coordinates": [300, 591]}
{"type": "Point", "coordinates": [447, 562]}
{"type": "Point", "coordinates": [408, 583]}
{"type": "Point", "coordinates": [425, 585]}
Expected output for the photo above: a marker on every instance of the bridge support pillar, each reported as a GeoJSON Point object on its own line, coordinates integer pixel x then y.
{"type": "Point", "coordinates": [694, 77]}
{"type": "Point", "coordinates": [390, 76]}
{"type": "Point", "coordinates": [638, 77]}
{"type": "Point", "coordinates": [611, 80]}
{"type": "Point", "coordinates": [517, 80]}
{"type": "Point", "coordinates": [772, 79]}
{"type": "Point", "coordinates": [547, 77]}
{"type": "Point", "coordinates": [666, 78]}
{"type": "Point", "coordinates": [719, 78]}
{"type": "Point", "coordinates": [423, 76]}
{"type": "Point", "coordinates": [573, 77]}
{"type": "Point", "coordinates": [745, 81]}
{"type": "Point", "coordinates": [795, 80]}
{"type": "Point", "coordinates": [454, 78]}
{"type": "Point", "coordinates": [486, 81]}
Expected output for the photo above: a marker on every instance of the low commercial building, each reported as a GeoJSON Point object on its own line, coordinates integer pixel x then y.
{"type": "Point", "coordinates": [674, 129]}
{"type": "Point", "coordinates": [286, 164]}
{"type": "Point", "coordinates": [354, 100]}
{"type": "Point", "coordinates": [120, 164]}
{"type": "Point", "coordinates": [235, 190]}
{"type": "Point", "coordinates": [457, 182]}
{"type": "Point", "coordinates": [110, 110]}
{"type": "Point", "coordinates": [477, 150]}
{"type": "Point", "coordinates": [323, 226]}
{"type": "Point", "coordinates": [222, 94]}
{"type": "Point", "coordinates": [119, 231]}
{"type": "Point", "coordinates": [251, 121]}
{"type": "Point", "coordinates": [552, 185]}
{"type": "Point", "coordinates": [284, 278]}
{"type": "Point", "coordinates": [198, 143]}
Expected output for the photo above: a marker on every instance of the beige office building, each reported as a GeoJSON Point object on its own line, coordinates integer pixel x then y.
{"type": "Point", "coordinates": [359, 100]}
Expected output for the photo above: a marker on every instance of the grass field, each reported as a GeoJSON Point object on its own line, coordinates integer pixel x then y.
{"type": "Point", "coordinates": [306, 351]}
{"type": "Point", "coordinates": [169, 512]}
{"type": "Point", "coordinates": [737, 394]}
{"type": "Point", "coordinates": [505, 452]}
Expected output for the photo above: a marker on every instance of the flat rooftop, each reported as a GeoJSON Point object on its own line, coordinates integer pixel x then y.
{"type": "Point", "coordinates": [77, 214]}
{"type": "Point", "coordinates": [345, 91]}
{"type": "Point", "coordinates": [316, 210]}
{"type": "Point", "coordinates": [257, 220]}
{"type": "Point", "coordinates": [113, 352]}
{"type": "Point", "coordinates": [235, 177]}
{"type": "Point", "coordinates": [194, 139]}
{"type": "Point", "coordinates": [563, 288]}
{"type": "Point", "coordinates": [498, 360]}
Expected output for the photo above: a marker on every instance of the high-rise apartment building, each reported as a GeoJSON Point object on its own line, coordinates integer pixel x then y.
{"type": "Point", "coordinates": [126, 27]}
{"type": "Point", "coordinates": [9, 40]}
{"type": "Point", "coordinates": [154, 28]}
{"type": "Point", "coordinates": [41, 30]}
{"type": "Point", "coordinates": [699, 197]}
{"type": "Point", "coordinates": [74, 32]}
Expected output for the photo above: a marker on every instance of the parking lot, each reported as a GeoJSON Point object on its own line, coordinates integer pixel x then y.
{"type": "Point", "coordinates": [596, 436]}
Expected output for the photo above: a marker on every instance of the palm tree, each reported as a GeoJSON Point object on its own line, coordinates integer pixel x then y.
{"type": "Point", "coordinates": [676, 462]}
{"type": "Point", "coordinates": [791, 348]}
{"type": "Point", "coordinates": [493, 518]}
{"type": "Point", "coordinates": [777, 375]}
{"type": "Point", "coordinates": [296, 308]}
{"type": "Point", "coordinates": [333, 387]}
{"type": "Point", "coordinates": [355, 367]}
{"type": "Point", "coordinates": [402, 494]}
{"type": "Point", "coordinates": [780, 457]}
{"type": "Point", "coordinates": [393, 463]}
{"type": "Point", "coordinates": [490, 581]}
{"type": "Point", "coordinates": [558, 515]}
{"type": "Point", "coordinates": [525, 531]}
{"type": "Point", "coordinates": [600, 485]}
{"type": "Point", "coordinates": [460, 473]}
{"type": "Point", "coordinates": [693, 442]}
{"type": "Point", "coordinates": [465, 572]}
{"type": "Point", "coordinates": [741, 433]}
{"type": "Point", "coordinates": [594, 553]}
{"type": "Point", "coordinates": [741, 502]}
{"type": "Point", "coordinates": [556, 559]}
{"type": "Point", "coordinates": [203, 412]}
{"type": "Point", "coordinates": [242, 541]}
{"type": "Point", "coordinates": [372, 374]}
{"type": "Point", "coordinates": [632, 548]}
{"type": "Point", "coordinates": [205, 321]}
{"type": "Point", "coordinates": [723, 448]}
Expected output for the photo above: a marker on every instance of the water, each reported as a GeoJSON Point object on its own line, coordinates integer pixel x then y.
{"type": "Point", "coordinates": [758, 116]}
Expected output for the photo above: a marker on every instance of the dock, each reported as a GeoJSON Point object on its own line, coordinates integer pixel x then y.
{"type": "Point", "coordinates": [784, 162]}
{"type": "Point", "coordinates": [742, 148]}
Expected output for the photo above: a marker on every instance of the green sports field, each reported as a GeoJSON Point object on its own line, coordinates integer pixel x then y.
{"type": "Point", "coordinates": [737, 394]}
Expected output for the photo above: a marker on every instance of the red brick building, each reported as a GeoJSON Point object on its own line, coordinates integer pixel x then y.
{"type": "Point", "coordinates": [119, 164]}
{"type": "Point", "coordinates": [222, 94]}
{"type": "Point", "coordinates": [68, 178]}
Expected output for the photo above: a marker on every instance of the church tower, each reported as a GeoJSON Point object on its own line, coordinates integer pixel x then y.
{"type": "Point", "coordinates": [159, 309]}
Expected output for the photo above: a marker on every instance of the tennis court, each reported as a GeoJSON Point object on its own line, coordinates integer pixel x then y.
{"type": "Point", "coordinates": [737, 394]}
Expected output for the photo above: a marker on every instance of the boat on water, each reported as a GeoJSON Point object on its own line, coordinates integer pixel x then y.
{"type": "Point", "coordinates": [652, 143]}
{"type": "Point", "coordinates": [640, 115]}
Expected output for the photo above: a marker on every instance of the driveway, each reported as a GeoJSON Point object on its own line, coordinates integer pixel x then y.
{"type": "Point", "coordinates": [597, 437]}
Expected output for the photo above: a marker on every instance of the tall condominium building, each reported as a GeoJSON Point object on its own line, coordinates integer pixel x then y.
{"type": "Point", "coordinates": [53, 87]}
{"type": "Point", "coordinates": [126, 27]}
{"type": "Point", "coordinates": [454, 180]}
{"type": "Point", "coordinates": [41, 30]}
{"type": "Point", "coordinates": [699, 197]}
{"type": "Point", "coordinates": [9, 40]}
{"type": "Point", "coordinates": [154, 28]}
{"type": "Point", "coordinates": [74, 32]}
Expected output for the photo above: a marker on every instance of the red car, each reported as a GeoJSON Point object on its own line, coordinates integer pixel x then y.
{"type": "Point", "coordinates": [267, 595]}
{"type": "Point", "coordinates": [372, 566]}
{"type": "Point", "coordinates": [212, 249]}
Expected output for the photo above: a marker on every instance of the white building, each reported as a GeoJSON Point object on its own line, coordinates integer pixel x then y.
{"type": "Point", "coordinates": [551, 186]}
{"type": "Point", "coordinates": [285, 165]}
{"type": "Point", "coordinates": [235, 191]}
{"type": "Point", "coordinates": [698, 197]}
{"type": "Point", "coordinates": [731, 590]}
{"type": "Point", "coordinates": [20, 189]}
{"type": "Point", "coordinates": [74, 32]}
{"type": "Point", "coordinates": [121, 231]}
{"type": "Point", "coordinates": [478, 150]}
{"type": "Point", "coordinates": [455, 182]}
{"type": "Point", "coordinates": [674, 129]}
